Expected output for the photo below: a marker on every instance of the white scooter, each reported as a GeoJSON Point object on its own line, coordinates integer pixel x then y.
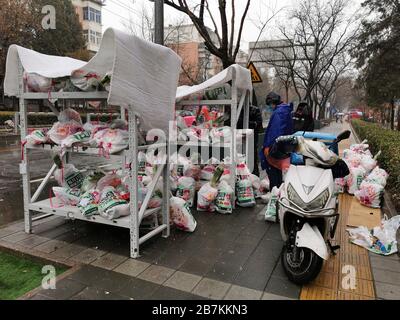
{"type": "Point", "coordinates": [308, 206]}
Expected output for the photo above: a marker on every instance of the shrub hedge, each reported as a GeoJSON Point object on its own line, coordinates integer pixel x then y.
{"type": "Point", "coordinates": [389, 142]}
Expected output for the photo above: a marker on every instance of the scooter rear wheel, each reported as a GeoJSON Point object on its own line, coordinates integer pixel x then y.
{"type": "Point", "coordinates": [303, 271]}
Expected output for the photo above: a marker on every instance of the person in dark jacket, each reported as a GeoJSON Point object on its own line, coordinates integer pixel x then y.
{"type": "Point", "coordinates": [303, 118]}
{"type": "Point", "coordinates": [280, 124]}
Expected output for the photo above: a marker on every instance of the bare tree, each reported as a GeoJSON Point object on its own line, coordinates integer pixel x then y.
{"type": "Point", "coordinates": [228, 41]}
{"type": "Point", "coordinates": [314, 49]}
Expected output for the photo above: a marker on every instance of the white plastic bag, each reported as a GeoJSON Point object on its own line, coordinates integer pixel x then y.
{"type": "Point", "coordinates": [112, 140]}
{"type": "Point", "coordinates": [36, 137]}
{"type": "Point", "coordinates": [340, 185]}
{"type": "Point", "coordinates": [181, 216]}
{"type": "Point", "coordinates": [110, 179]}
{"type": "Point", "coordinates": [355, 178]}
{"type": "Point", "coordinates": [179, 165]}
{"type": "Point", "coordinates": [66, 196]}
{"type": "Point", "coordinates": [224, 200]}
{"type": "Point", "coordinates": [219, 135]}
{"type": "Point", "coordinates": [378, 176]}
{"type": "Point", "coordinates": [69, 115]}
{"type": "Point", "coordinates": [89, 203]}
{"type": "Point", "coordinates": [368, 163]}
{"type": "Point", "coordinates": [68, 176]}
{"type": "Point", "coordinates": [85, 81]}
{"type": "Point", "coordinates": [256, 183]}
{"type": "Point", "coordinates": [370, 194]}
{"type": "Point", "coordinates": [264, 185]}
{"type": "Point", "coordinates": [81, 138]}
{"type": "Point", "coordinates": [186, 190]}
{"type": "Point", "coordinates": [270, 212]}
{"type": "Point", "coordinates": [37, 83]}
{"type": "Point", "coordinates": [245, 194]}
{"type": "Point", "coordinates": [111, 206]}
{"type": "Point", "coordinates": [206, 197]}
{"type": "Point", "coordinates": [60, 131]}
{"type": "Point", "coordinates": [207, 172]}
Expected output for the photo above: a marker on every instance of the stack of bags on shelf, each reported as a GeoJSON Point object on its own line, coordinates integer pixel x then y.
{"type": "Point", "coordinates": [69, 132]}
{"type": "Point", "coordinates": [207, 127]}
{"type": "Point", "coordinates": [366, 180]}
{"type": "Point", "coordinates": [211, 183]}
{"type": "Point", "coordinates": [79, 81]}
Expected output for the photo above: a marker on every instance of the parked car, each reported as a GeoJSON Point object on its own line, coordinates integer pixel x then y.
{"type": "Point", "coordinates": [355, 114]}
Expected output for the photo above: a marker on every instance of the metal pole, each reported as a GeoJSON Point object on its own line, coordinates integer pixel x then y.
{"type": "Point", "coordinates": [159, 22]}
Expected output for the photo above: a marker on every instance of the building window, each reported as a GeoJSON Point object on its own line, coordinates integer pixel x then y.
{"type": "Point", "coordinates": [94, 37]}
{"type": "Point", "coordinates": [91, 14]}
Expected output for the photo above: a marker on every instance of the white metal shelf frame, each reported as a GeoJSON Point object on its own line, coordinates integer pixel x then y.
{"type": "Point", "coordinates": [239, 100]}
{"type": "Point", "coordinates": [133, 221]}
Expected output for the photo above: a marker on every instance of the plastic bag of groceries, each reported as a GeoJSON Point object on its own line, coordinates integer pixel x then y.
{"type": "Point", "coordinates": [340, 185]}
{"type": "Point", "coordinates": [368, 163]}
{"type": "Point", "coordinates": [270, 212]}
{"type": "Point", "coordinates": [110, 179]}
{"type": "Point", "coordinates": [207, 172]}
{"type": "Point", "coordinates": [360, 147]}
{"type": "Point", "coordinates": [381, 239]}
{"type": "Point", "coordinates": [61, 130]}
{"type": "Point", "coordinates": [256, 183]}
{"type": "Point", "coordinates": [355, 178]}
{"type": "Point", "coordinates": [179, 165]}
{"type": "Point", "coordinates": [206, 197]}
{"type": "Point", "coordinates": [219, 135]}
{"type": "Point", "coordinates": [67, 196]}
{"type": "Point", "coordinates": [353, 160]}
{"type": "Point", "coordinates": [111, 206]}
{"type": "Point", "coordinates": [186, 189]}
{"type": "Point", "coordinates": [370, 194]}
{"type": "Point", "coordinates": [264, 185]}
{"type": "Point", "coordinates": [378, 176]}
{"type": "Point", "coordinates": [67, 175]}
{"type": "Point", "coordinates": [86, 81]}
{"type": "Point", "coordinates": [36, 137]}
{"type": "Point", "coordinates": [244, 193]}
{"type": "Point", "coordinates": [94, 127]}
{"type": "Point", "coordinates": [112, 140]}
{"type": "Point", "coordinates": [69, 115]}
{"type": "Point", "coordinates": [224, 200]}
{"type": "Point", "coordinates": [89, 203]}
{"type": "Point", "coordinates": [37, 83]}
{"type": "Point", "coordinates": [79, 138]}
{"type": "Point", "coordinates": [180, 215]}
{"type": "Point", "coordinates": [91, 180]}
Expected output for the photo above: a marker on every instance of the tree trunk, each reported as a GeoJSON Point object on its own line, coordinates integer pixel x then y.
{"type": "Point", "coordinates": [392, 114]}
{"type": "Point", "coordinates": [398, 119]}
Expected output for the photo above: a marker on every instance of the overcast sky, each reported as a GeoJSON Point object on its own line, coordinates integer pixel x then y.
{"type": "Point", "coordinates": [120, 13]}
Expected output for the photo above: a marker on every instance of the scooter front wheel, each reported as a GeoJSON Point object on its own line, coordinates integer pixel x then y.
{"type": "Point", "coordinates": [305, 268]}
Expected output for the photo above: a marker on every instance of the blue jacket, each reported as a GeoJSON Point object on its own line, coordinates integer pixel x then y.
{"type": "Point", "coordinates": [280, 124]}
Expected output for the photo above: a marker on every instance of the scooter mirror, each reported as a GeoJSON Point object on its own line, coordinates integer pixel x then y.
{"type": "Point", "coordinates": [343, 136]}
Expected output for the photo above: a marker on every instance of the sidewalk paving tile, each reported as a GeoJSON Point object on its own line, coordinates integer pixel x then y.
{"type": "Point", "coordinates": [241, 293]}
{"type": "Point", "coordinates": [211, 289]}
{"type": "Point", "coordinates": [68, 251]}
{"type": "Point", "coordinates": [156, 274]}
{"type": "Point", "coordinates": [310, 292]}
{"type": "Point", "coordinates": [93, 293]}
{"type": "Point", "coordinates": [183, 281]}
{"type": "Point", "coordinates": [138, 289]}
{"type": "Point", "coordinates": [132, 267]}
{"type": "Point", "coordinates": [88, 255]}
{"type": "Point", "coordinates": [51, 246]}
{"type": "Point", "coordinates": [39, 296]}
{"type": "Point", "coordinates": [109, 261]}
{"type": "Point", "coordinates": [283, 287]}
{"type": "Point", "coordinates": [32, 241]}
{"type": "Point", "coordinates": [6, 232]}
{"type": "Point", "coordinates": [270, 296]}
{"type": "Point", "coordinates": [165, 293]}
{"type": "Point", "coordinates": [384, 263]}
{"type": "Point", "coordinates": [387, 291]}
{"type": "Point", "coordinates": [65, 289]}
{"type": "Point", "coordinates": [387, 276]}
{"type": "Point", "coordinates": [16, 237]}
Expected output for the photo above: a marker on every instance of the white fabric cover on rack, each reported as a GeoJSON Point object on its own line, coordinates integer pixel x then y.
{"type": "Point", "coordinates": [242, 77]}
{"type": "Point", "coordinates": [35, 62]}
{"type": "Point", "coordinates": [144, 75]}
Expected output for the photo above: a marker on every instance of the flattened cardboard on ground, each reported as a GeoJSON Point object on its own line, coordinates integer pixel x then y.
{"type": "Point", "coordinates": [360, 215]}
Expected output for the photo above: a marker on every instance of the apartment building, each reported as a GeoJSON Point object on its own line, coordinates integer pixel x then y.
{"type": "Point", "coordinates": [90, 17]}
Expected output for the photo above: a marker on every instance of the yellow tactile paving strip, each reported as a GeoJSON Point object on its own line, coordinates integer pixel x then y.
{"type": "Point", "coordinates": [328, 285]}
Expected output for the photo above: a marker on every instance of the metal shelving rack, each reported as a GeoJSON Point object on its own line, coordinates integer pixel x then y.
{"type": "Point", "coordinates": [237, 102]}
{"type": "Point", "coordinates": [131, 222]}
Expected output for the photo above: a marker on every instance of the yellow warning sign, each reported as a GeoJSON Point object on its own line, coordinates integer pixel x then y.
{"type": "Point", "coordinates": [255, 76]}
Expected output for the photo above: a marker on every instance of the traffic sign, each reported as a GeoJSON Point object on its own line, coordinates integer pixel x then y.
{"type": "Point", "coordinates": [255, 76]}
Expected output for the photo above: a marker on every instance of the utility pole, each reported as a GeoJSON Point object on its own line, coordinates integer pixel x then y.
{"type": "Point", "coordinates": [159, 21]}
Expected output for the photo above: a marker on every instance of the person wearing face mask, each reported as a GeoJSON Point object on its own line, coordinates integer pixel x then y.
{"type": "Point", "coordinates": [280, 124]}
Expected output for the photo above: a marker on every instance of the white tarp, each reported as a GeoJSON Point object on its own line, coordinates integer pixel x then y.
{"type": "Point", "coordinates": [144, 75]}
{"type": "Point", "coordinates": [242, 77]}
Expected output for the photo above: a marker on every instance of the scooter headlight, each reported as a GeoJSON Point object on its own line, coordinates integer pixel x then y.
{"type": "Point", "coordinates": [318, 203]}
